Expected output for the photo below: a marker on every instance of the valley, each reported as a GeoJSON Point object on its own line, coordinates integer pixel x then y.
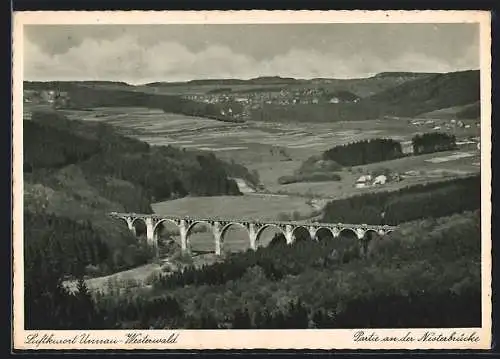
{"type": "Point", "coordinates": [198, 166]}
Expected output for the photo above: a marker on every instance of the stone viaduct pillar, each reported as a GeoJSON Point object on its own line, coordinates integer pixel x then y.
{"type": "Point", "coordinates": [150, 236]}
{"type": "Point", "coordinates": [312, 232]}
{"type": "Point", "coordinates": [130, 225]}
{"type": "Point", "coordinates": [183, 235]}
{"type": "Point", "coordinates": [335, 232]}
{"type": "Point", "coordinates": [252, 232]}
{"type": "Point", "coordinates": [289, 234]}
{"type": "Point", "coordinates": [217, 236]}
{"type": "Point", "coordinates": [360, 233]}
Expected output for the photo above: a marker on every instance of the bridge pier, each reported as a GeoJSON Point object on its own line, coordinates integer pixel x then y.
{"type": "Point", "coordinates": [252, 233]}
{"type": "Point", "coordinates": [253, 228]}
{"type": "Point", "coordinates": [289, 234]}
{"type": "Point", "coordinates": [312, 232]}
{"type": "Point", "coordinates": [183, 234]}
{"type": "Point", "coordinates": [217, 236]}
{"type": "Point", "coordinates": [151, 239]}
{"type": "Point", "coordinates": [335, 232]}
{"type": "Point", "coordinates": [130, 225]}
{"type": "Point", "coordinates": [360, 233]}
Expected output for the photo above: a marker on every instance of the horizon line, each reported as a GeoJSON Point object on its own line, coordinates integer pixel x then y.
{"type": "Point", "coordinates": [254, 78]}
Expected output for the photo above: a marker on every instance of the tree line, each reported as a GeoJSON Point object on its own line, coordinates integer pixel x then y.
{"type": "Point", "coordinates": [88, 97]}
{"type": "Point", "coordinates": [376, 150]}
{"type": "Point", "coordinates": [364, 152]}
{"type": "Point", "coordinates": [433, 142]}
{"type": "Point", "coordinates": [430, 200]}
{"type": "Point", "coordinates": [292, 260]}
{"type": "Point", "coordinates": [164, 172]}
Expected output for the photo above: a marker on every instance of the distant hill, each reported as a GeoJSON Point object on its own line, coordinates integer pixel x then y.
{"type": "Point", "coordinates": [265, 80]}
{"type": "Point", "coordinates": [68, 85]}
{"type": "Point", "coordinates": [430, 93]}
{"type": "Point", "coordinates": [397, 94]}
{"type": "Point", "coordinates": [469, 111]}
{"type": "Point", "coordinates": [404, 74]}
{"type": "Point", "coordinates": [405, 98]}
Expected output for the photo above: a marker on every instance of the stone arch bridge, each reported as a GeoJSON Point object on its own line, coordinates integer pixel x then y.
{"type": "Point", "coordinates": [254, 228]}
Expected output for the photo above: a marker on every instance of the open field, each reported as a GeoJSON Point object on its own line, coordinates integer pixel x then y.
{"type": "Point", "coordinates": [253, 206]}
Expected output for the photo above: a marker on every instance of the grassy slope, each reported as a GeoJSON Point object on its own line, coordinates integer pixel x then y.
{"type": "Point", "coordinates": [469, 111]}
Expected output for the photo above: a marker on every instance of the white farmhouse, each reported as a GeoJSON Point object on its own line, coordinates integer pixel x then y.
{"type": "Point", "coordinates": [380, 180]}
{"type": "Point", "coordinates": [363, 181]}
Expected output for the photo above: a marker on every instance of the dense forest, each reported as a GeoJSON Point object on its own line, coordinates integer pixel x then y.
{"type": "Point", "coordinates": [426, 274]}
{"type": "Point", "coordinates": [433, 142]}
{"type": "Point", "coordinates": [51, 141]}
{"type": "Point", "coordinates": [309, 177]}
{"type": "Point", "coordinates": [326, 166]}
{"type": "Point", "coordinates": [410, 203]}
{"type": "Point", "coordinates": [364, 152]}
{"type": "Point", "coordinates": [381, 149]}
{"type": "Point", "coordinates": [75, 172]}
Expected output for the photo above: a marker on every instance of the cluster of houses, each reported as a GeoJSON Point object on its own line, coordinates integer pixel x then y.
{"type": "Point", "coordinates": [50, 97]}
{"type": "Point", "coordinates": [379, 180]}
{"type": "Point", "coordinates": [242, 102]}
{"type": "Point", "coordinates": [273, 96]}
{"type": "Point", "coordinates": [446, 125]}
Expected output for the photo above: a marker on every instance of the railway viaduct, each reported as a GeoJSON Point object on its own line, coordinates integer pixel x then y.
{"type": "Point", "coordinates": [254, 228]}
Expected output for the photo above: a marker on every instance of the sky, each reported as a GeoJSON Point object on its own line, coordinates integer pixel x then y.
{"type": "Point", "coordinates": [148, 53]}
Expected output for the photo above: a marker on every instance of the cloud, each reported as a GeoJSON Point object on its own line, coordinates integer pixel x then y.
{"type": "Point", "coordinates": [128, 59]}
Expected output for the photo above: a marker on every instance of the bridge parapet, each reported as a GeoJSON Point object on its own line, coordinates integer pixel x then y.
{"type": "Point", "coordinates": [254, 221]}
{"type": "Point", "coordinates": [254, 227]}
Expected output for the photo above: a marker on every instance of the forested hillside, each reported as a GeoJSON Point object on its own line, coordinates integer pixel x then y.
{"type": "Point", "coordinates": [431, 93]}
{"type": "Point", "coordinates": [76, 172]}
{"type": "Point", "coordinates": [427, 274]}
{"type": "Point", "coordinates": [410, 98]}
{"type": "Point", "coordinates": [437, 199]}
{"type": "Point", "coordinates": [88, 95]}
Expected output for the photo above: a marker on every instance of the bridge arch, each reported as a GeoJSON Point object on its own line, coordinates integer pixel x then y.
{"type": "Point", "coordinates": [263, 228]}
{"type": "Point", "coordinates": [137, 225]}
{"type": "Point", "coordinates": [371, 233]}
{"type": "Point", "coordinates": [166, 233]}
{"type": "Point", "coordinates": [195, 223]}
{"type": "Point", "coordinates": [349, 231]}
{"type": "Point", "coordinates": [190, 230]}
{"type": "Point", "coordinates": [227, 226]}
{"type": "Point", "coordinates": [328, 230]}
{"type": "Point", "coordinates": [140, 219]}
{"type": "Point", "coordinates": [163, 220]}
{"type": "Point", "coordinates": [302, 228]}
{"type": "Point", "coordinates": [123, 219]}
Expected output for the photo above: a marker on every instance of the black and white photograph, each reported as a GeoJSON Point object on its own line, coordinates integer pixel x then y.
{"type": "Point", "coordinates": [215, 176]}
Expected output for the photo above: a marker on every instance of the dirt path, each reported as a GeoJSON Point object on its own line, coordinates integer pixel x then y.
{"type": "Point", "coordinates": [129, 278]}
